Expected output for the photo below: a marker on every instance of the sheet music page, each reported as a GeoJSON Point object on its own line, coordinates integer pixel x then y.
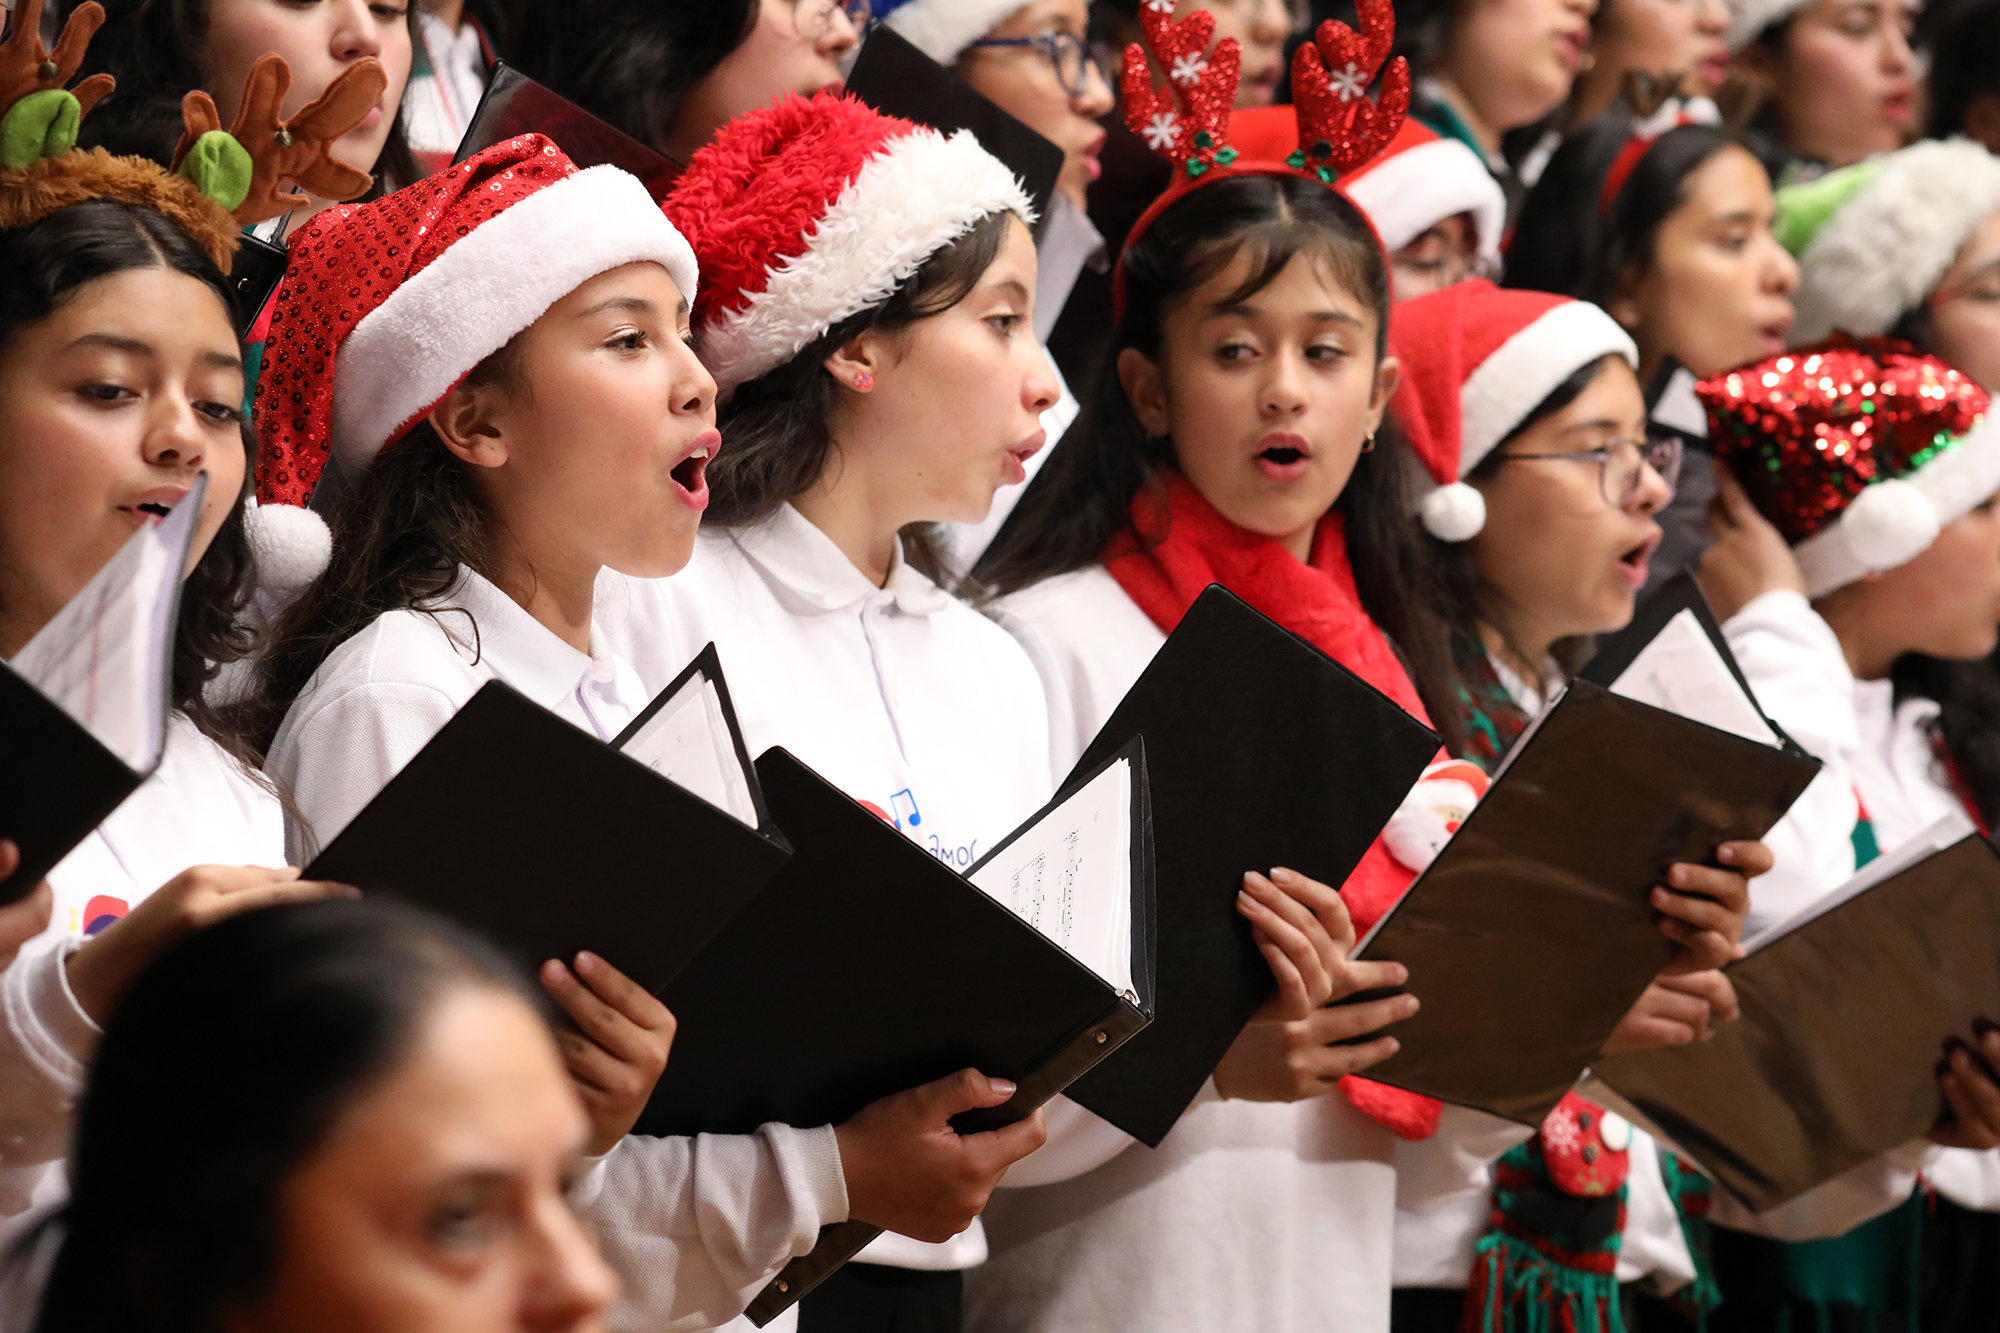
{"type": "Point", "coordinates": [1681, 672]}
{"type": "Point", "coordinates": [1070, 876]}
{"type": "Point", "coordinates": [105, 658]}
{"type": "Point", "coordinates": [688, 742]}
{"type": "Point", "coordinates": [1944, 833]}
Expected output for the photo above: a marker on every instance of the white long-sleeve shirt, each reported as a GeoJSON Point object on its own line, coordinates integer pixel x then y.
{"type": "Point", "coordinates": [1876, 750]}
{"type": "Point", "coordinates": [1272, 1217]}
{"type": "Point", "coordinates": [696, 1227]}
{"type": "Point", "coordinates": [902, 696]}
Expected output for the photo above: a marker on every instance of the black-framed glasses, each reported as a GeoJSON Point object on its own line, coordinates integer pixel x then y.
{"type": "Point", "coordinates": [1073, 58]}
{"type": "Point", "coordinates": [1621, 465]}
{"type": "Point", "coordinates": [813, 19]}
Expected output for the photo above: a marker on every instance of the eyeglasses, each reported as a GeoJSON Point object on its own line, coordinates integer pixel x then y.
{"type": "Point", "coordinates": [1622, 464]}
{"type": "Point", "coordinates": [813, 19]}
{"type": "Point", "coordinates": [1073, 58]}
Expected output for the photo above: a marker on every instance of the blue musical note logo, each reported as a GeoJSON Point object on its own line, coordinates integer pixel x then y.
{"type": "Point", "coordinates": [905, 806]}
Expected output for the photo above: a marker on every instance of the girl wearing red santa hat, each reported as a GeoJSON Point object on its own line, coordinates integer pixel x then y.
{"type": "Point", "coordinates": [499, 358]}
{"type": "Point", "coordinates": [1235, 441]}
{"type": "Point", "coordinates": [1861, 526]}
{"type": "Point", "coordinates": [1525, 412]}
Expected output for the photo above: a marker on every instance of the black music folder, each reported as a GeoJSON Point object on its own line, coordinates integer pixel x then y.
{"type": "Point", "coordinates": [515, 104]}
{"type": "Point", "coordinates": [1847, 1009]}
{"type": "Point", "coordinates": [1539, 909]}
{"type": "Point", "coordinates": [866, 967]}
{"type": "Point", "coordinates": [538, 835]}
{"type": "Point", "coordinates": [897, 79]}
{"type": "Point", "coordinates": [84, 705]}
{"type": "Point", "coordinates": [1262, 751]}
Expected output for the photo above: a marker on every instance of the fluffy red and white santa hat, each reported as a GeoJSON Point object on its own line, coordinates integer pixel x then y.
{"type": "Point", "coordinates": [812, 210]}
{"type": "Point", "coordinates": [1420, 180]}
{"type": "Point", "coordinates": [387, 306]}
{"type": "Point", "coordinates": [1476, 361]}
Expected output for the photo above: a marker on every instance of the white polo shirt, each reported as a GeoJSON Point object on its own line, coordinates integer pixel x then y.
{"type": "Point", "coordinates": [902, 696]}
{"type": "Point", "coordinates": [694, 1226]}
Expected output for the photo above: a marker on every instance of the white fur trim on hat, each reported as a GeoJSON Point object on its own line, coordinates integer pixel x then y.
{"type": "Point", "coordinates": [922, 192]}
{"type": "Point", "coordinates": [486, 287]}
{"type": "Point", "coordinates": [1893, 522]}
{"type": "Point", "coordinates": [942, 29]}
{"type": "Point", "coordinates": [1453, 513]}
{"type": "Point", "coordinates": [1408, 194]}
{"type": "Point", "coordinates": [1526, 368]}
{"type": "Point", "coordinates": [290, 546]}
{"type": "Point", "coordinates": [1748, 18]}
{"type": "Point", "coordinates": [1883, 253]}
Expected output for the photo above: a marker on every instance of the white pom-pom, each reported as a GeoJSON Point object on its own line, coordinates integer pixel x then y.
{"type": "Point", "coordinates": [291, 545]}
{"type": "Point", "coordinates": [1453, 513]}
{"type": "Point", "coordinates": [1889, 524]}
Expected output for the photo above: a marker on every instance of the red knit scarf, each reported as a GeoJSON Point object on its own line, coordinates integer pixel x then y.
{"type": "Point", "coordinates": [1317, 601]}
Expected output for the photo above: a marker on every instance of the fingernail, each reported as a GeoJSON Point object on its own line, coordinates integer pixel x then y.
{"type": "Point", "coordinates": [1001, 1087]}
{"type": "Point", "coordinates": [1394, 1045]}
{"type": "Point", "coordinates": [587, 961]}
{"type": "Point", "coordinates": [1280, 875]}
{"type": "Point", "coordinates": [1244, 901]}
{"type": "Point", "coordinates": [1726, 853]}
{"type": "Point", "coordinates": [1410, 1005]}
{"type": "Point", "coordinates": [1398, 973]}
{"type": "Point", "coordinates": [1677, 876]}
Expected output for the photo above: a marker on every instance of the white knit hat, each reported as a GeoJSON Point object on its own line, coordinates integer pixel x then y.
{"type": "Point", "coordinates": [1874, 239]}
{"type": "Point", "coordinates": [942, 29]}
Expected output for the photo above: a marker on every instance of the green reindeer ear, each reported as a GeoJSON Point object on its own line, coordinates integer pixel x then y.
{"type": "Point", "coordinates": [220, 168]}
{"type": "Point", "coordinates": [42, 124]}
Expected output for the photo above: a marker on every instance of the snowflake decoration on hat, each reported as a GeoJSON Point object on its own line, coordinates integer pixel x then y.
{"type": "Point", "coordinates": [1339, 127]}
{"type": "Point", "coordinates": [1187, 122]}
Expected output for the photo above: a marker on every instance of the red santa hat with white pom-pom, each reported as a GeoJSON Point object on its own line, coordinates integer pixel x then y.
{"type": "Point", "coordinates": [1476, 361]}
{"type": "Point", "coordinates": [810, 211]}
{"type": "Point", "coordinates": [387, 306]}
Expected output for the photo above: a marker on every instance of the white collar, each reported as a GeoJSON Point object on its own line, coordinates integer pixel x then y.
{"type": "Point", "coordinates": [520, 650]}
{"type": "Point", "coordinates": [789, 548]}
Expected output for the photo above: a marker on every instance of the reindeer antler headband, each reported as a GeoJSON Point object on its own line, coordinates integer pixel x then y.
{"type": "Point", "coordinates": [1187, 121]}
{"type": "Point", "coordinates": [220, 181]}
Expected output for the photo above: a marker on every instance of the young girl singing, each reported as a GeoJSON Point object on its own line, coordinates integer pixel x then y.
{"type": "Point", "coordinates": [1237, 442]}
{"type": "Point", "coordinates": [516, 393]}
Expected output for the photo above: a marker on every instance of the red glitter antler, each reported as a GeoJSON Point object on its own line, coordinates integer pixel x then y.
{"type": "Point", "coordinates": [1339, 127]}
{"type": "Point", "coordinates": [1186, 122]}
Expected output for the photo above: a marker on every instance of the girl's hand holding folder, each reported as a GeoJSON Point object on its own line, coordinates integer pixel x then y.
{"type": "Point", "coordinates": [620, 1048]}
{"type": "Point", "coordinates": [21, 921]}
{"type": "Point", "coordinates": [1290, 1051]}
{"type": "Point", "coordinates": [1967, 1080]}
{"type": "Point", "coordinates": [910, 1172]}
{"type": "Point", "coordinates": [1674, 1011]}
{"type": "Point", "coordinates": [1702, 908]}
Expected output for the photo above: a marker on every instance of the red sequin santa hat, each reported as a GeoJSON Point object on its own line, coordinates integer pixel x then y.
{"type": "Point", "coordinates": [387, 306]}
{"type": "Point", "coordinates": [1476, 361]}
{"type": "Point", "coordinates": [809, 211]}
{"type": "Point", "coordinates": [1188, 121]}
{"type": "Point", "coordinates": [1857, 452]}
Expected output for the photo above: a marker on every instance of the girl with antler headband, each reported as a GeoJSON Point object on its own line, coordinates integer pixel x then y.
{"type": "Point", "coordinates": [161, 52]}
{"type": "Point", "coordinates": [1239, 442]}
{"type": "Point", "coordinates": [121, 383]}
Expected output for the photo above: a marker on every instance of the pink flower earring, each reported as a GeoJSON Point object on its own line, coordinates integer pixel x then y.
{"type": "Point", "coordinates": [863, 381]}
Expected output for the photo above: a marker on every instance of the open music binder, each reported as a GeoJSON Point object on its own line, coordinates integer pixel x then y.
{"type": "Point", "coordinates": [1847, 1008]}
{"type": "Point", "coordinates": [515, 104]}
{"type": "Point", "coordinates": [84, 705]}
{"type": "Point", "coordinates": [538, 835]}
{"type": "Point", "coordinates": [1262, 751]}
{"type": "Point", "coordinates": [866, 967]}
{"type": "Point", "coordinates": [897, 79]}
{"type": "Point", "coordinates": [1539, 906]}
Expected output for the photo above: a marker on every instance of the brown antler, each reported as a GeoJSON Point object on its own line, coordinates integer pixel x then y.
{"type": "Point", "coordinates": [26, 66]}
{"type": "Point", "coordinates": [1340, 127]}
{"type": "Point", "coordinates": [299, 150]}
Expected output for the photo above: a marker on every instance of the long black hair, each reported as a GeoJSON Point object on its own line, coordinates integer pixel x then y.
{"type": "Point", "coordinates": [401, 529]}
{"type": "Point", "coordinates": [1083, 498]}
{"type": "Point", "coordinates": [223, 1069]}
{"type": "Point", "coordinates": [1564, 241]}
{"type": "Point", "coordinates": [154, 48]}
{"type": "Point", "coordinates": [778, 425]}
{"type": "Point", "coordinates": [1962, 38]}
{"type": "Point", "coordinates": [629, 62]}
{"type": "Point", "coordinates": [47, 263]}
